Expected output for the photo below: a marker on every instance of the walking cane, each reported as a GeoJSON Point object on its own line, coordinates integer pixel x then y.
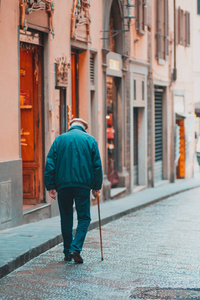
{"type": "Point", "coordinates": [100, 226]}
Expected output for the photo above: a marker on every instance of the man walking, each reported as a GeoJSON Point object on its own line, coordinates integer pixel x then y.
{"type": "Point", "coordinates": [73, 168]}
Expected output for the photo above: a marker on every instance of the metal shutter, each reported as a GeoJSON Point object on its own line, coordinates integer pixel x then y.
{"type": "Point", "coordinates": [158, 136]}
{"type": "Point", "coordinates": [92, 69]}
{"type": "Point", "coordinates": [135, 139]}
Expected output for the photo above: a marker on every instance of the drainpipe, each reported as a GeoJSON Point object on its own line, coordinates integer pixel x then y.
{"type": "Point", "coordinates": [173, 139]}
{"type": "Point", "coordinates": [175, 29]}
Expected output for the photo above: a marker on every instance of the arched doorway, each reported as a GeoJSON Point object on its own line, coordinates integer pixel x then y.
{"type": "Point", "coordinates": [114, 84]}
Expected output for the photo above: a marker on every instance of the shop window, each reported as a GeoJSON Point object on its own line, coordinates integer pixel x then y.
{"type": "Point", "coordinates": [112, 130]}
{"type": "Point", "coordinates": [140, 16]}
{"type": "Point", "coordinates": [162, 30]}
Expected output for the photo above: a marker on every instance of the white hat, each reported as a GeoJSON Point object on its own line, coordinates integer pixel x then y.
{"type": "Point", "coordinates": [79, 120]}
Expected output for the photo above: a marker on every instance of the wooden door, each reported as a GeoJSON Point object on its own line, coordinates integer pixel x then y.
{"type": "Point", "coordinates": [74, 83]}
{"type": "Point", "coordinates": [31, 123]}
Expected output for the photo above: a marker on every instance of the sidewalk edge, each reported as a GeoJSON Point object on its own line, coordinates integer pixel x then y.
{"type": "Point", "coordinates": [36, 251]}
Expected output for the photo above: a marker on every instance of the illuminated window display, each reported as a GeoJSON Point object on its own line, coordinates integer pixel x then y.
{"type": "Point", "coordinates": [112, 132]}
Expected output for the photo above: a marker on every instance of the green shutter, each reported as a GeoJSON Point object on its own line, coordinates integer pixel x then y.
{"type": "Point", "coordinates": [198, 7]}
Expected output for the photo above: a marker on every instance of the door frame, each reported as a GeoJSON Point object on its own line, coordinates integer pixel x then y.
{"type": "Point", "coordinates": [137, 68]}
{"type": "Point", "coordinates": [38, 134]}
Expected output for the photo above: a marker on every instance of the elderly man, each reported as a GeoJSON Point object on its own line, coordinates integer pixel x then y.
{"type": "Point", "coordinates": [73, 168]}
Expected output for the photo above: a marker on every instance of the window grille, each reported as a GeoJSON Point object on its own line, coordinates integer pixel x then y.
{"type": "Point", "coordinates": [92, 79]}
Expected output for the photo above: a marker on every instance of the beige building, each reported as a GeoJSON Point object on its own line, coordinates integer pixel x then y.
{"type": "Point", "coordinates": [162, 42]}
{"type": "Point", "coordinates": [116, 64]}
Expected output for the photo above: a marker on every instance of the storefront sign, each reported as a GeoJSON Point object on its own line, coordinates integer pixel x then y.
{"type": "Point", "coordinates": [114, 65]}
{"type": "Point", "coordinates": [114, 62]}
{"type": "Point", "coordinates": [61, 73]}
{"type": "Point", "coordinates": [30, 39]}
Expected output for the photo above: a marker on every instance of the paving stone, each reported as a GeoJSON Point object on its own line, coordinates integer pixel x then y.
{"type": "Point", "coordinates": [20, 244]}
{"type": "Point", "coordinates": [147, 255]}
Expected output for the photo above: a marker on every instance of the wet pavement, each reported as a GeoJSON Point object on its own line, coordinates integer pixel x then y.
{"type": "Point", "coordinates": [153, 253]}
{"type": "Point", "coordinates": [23, 243]}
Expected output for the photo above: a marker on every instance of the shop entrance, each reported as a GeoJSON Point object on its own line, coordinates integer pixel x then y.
{"type": "Point", "coordinates": [180, 169]}
{"type": "Point", "coordinates": [112, 131]}
{"type": "Point", "coordinates": [31, 123]}
{"type": "Point", "coordinates": [75, 84]}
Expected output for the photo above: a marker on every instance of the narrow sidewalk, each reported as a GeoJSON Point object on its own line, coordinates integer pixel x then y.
{"type": "Point", "coordinates": [20, 244]}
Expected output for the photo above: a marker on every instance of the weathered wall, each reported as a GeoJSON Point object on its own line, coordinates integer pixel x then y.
{"type": "Point", "coordinates": [10, 162]}
{"type": "Point", "coordinates": [9, 82]}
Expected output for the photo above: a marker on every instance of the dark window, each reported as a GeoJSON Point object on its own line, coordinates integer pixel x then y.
{"type": "Point", "coordinates": [134, 89]}
{"type": "Point", "coordinates": [198, 7]}
{"type": "Point", "coordinates": [142, 90]}
{"type": "Point", "coordinates": [140, 16]}
{"type": "Point", "coordinates": [162, 29]}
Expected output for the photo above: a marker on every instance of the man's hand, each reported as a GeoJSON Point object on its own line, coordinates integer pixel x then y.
{"type": "Point", "coordinates": [52, 194]}
{"type": "Point", "coordinates": [94, 193]}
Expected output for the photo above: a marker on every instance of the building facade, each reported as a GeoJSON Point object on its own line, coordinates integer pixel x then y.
{"type": "Point", "coordinates": [118, 65]}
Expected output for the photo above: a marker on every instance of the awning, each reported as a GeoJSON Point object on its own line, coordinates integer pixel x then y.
{"type": "Point", "coordinates": [180, 116]}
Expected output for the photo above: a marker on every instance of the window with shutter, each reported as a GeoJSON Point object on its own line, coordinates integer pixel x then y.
{"type": "Point", "coordinates": [187, 19]}
{"type": "Point", "coordinates": [148, 14]}
{"type": "Point", "coordinates": [162, 30]}
{"type": "Point", "coordinates": [140, 16]}
{"type": "Point", "coordinates": [183, 28]}
{"type": "Point", "coordinates": [159, 29]}
{"type": "Point", "coordinates": [166, 37]}
{"type": "Point", "coordinates": [179, 26]}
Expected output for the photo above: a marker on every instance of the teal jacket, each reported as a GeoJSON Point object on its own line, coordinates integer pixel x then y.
{"type": "Point", "coordinates": [73, 160]}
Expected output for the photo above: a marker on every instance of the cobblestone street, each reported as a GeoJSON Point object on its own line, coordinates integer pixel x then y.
{"type": "Point", "coordinates": [150, 254]}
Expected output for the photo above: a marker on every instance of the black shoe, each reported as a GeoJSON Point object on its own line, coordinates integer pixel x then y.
{"type": "Point", "coordinates": [67, 258]}
{"type": "Point", "coordinates": [76, 256]}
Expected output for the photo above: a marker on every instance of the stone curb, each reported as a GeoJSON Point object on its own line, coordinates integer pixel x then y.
{"type": "Point", "coordinates": [36, 251]}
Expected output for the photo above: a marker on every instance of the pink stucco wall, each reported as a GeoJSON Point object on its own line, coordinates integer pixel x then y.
{"type": "Point", "coordinates": [9, 82]}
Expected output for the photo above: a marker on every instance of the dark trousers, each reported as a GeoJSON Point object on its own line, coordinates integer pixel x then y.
{"type": "Point", "coordinates": [66, 199]}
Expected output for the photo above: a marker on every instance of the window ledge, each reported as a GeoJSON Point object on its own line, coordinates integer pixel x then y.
{"type": "Point", "coordinates": [161, 61]}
